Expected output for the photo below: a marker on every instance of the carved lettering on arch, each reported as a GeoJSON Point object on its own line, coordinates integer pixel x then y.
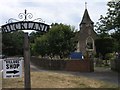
{"type": "Point", "coordinates": [26, 25]}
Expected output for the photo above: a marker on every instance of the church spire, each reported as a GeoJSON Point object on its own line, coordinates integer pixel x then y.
{"type": "Point", "coordinates": [86, 17]}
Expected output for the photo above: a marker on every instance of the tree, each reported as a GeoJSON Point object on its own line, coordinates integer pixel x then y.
{"type": "Point", "coordinates": [116, 36]}
{"type": "Point", "coordinates": [59, 41]}
{"type": "Point", "coordinates": [12, 43]}
{"type": "Point", "coordinates": [61, 38]}
{"type": "Point", "coordinates": [112, 19]}
{"type": "Point", "coordinates": [104, 46]}
{"type": "Point", "coordinates": [41, 45]}
{"type": "Point", "coordinates": [34, 35]}
{"type": "Point", "coordinates": [110, 22]}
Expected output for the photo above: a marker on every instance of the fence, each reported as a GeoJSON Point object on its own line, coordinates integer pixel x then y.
{"type": "Point", "coordinates": [68, 65]}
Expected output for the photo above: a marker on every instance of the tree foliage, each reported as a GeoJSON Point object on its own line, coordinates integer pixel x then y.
{"type": "Point", "coordinates": [112, 19]}
{"type": "Point", "coordinates": [104, 46]}
{"type": "Point", "coordinates": [41, 45]}
{"type": "Point", "coordinates": [33, 35]}
{"type": "Point", "coordinates": [109, 25]}
{"type": "Point", "coordinates": [59, 41]}
{"type": "Point", "coordinates": [12, 43]}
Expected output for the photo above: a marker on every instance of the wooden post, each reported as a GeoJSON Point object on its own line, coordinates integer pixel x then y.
{"type": "Point", "coordinates": [27, 79]}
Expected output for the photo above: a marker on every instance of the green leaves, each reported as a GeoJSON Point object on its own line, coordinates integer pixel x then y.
{"type": "Point", "coordinates": [105, 45]}
{"type": "Point", "coordinates": [109, 25]}
{"type": "Point", "coordinates": [57, 42]}
{"type": "Point", "coordinates": [111, 20]}
{"type": "Point", "coordinates": [12, 43]}
{"type": "Point", "coordinates": [41, 45]}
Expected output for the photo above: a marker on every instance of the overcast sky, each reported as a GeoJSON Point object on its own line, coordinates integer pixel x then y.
{"type": "Point", "coordinates": [60, 11]}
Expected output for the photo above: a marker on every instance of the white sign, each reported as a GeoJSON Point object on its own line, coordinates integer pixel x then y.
{"type": "Point", "coordinates": [12, 68]}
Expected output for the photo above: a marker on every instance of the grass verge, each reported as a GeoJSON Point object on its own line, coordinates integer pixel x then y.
{"type": "Point", "coordinates": [56, 80]}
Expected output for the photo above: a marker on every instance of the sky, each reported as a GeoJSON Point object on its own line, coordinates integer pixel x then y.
{"type": "Point", "coordinates": [68, 12]}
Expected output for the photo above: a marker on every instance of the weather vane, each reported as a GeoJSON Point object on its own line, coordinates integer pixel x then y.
{"type": "Point", "coordinates": [85, 5]}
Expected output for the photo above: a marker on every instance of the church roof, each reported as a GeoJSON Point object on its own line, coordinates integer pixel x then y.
{"type": "Point", "coordinates": [86, 18]}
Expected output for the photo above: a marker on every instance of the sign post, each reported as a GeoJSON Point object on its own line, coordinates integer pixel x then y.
{"type": "Point", "coordinates": [37, 25]}
{"type": "Point", "coordinates": [27, 79]}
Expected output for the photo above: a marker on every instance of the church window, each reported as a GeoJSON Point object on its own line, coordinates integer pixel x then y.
{"type": "Point", "coordinates": [78, 47]}
{"type": "Point", "coordinates": [90, 43]}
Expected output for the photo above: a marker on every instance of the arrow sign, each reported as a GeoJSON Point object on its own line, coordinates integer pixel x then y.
{"type": "Point", "coordinates": [14, 71]}
{"type": "Point", "coordinates": [12, 67]}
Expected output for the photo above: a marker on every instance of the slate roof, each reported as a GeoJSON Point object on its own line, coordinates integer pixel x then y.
{"type": "Point", "coordinates": [86, 18]}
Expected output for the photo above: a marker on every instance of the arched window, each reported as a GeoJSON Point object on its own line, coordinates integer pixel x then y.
{"type": "Point", "coordinates": [78, 47]}
{"type": "Point", "coordinates": [89, 44]}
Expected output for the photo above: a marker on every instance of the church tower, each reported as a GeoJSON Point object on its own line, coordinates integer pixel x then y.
{"type": "Point", "coordinates": [86, 35]}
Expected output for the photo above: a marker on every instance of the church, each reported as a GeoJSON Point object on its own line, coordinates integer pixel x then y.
{"type": "Point", "coordinates": [86, 35]}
